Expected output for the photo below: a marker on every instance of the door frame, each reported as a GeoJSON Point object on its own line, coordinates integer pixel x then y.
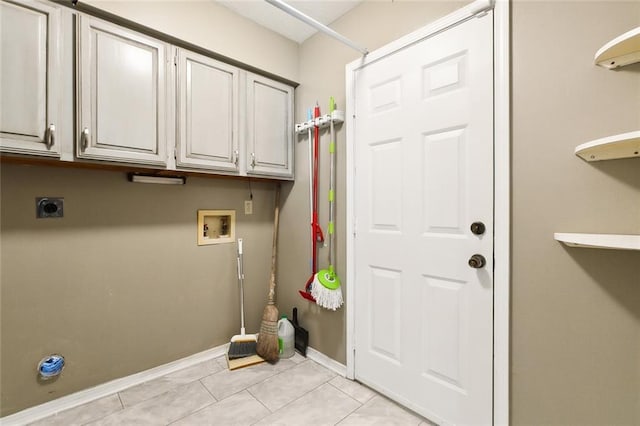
{"type": "Point", "coordinates": [502, 186]}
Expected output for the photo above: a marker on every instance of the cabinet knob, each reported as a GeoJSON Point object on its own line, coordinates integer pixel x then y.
{"type": "Point", "coordinates": [253, 160]}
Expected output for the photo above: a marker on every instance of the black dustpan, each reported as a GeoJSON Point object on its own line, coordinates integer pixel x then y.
{"type": "Point", "coordinates": [301, 335]}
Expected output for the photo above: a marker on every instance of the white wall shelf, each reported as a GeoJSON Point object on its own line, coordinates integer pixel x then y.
{"type": "Point", "coordinates": [621, 51]}
{"type": "Point", "coordinates": [626, 145]}
{"type": "Point", "coordinates": [603, 241]}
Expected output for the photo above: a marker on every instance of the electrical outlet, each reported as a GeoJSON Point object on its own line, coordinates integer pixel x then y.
{"type": "Point", "coordinates": [49, 207]}
{"type": "Point", "coordinates": [248, 207]}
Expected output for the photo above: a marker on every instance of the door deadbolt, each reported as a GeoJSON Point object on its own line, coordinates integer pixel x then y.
{"type": "Point", "coordinates": [477, 261]}
{"type": "Point", "coordinates": [478, 228]}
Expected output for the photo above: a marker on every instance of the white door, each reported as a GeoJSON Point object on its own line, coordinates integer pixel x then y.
{"type": "Point", "coordinates": [269, 127]}
{"type": "Point", "coordinates": [29, 82]}
{"type": "Point", "coordinates": [122, 94]}
{"type": "Point", "coordinates": [423, 175]}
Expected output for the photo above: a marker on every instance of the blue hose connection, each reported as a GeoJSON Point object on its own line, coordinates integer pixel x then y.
{"type": "Point", "coordinates": [51, 366]}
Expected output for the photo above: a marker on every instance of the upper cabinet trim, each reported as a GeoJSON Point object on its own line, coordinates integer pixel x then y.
{"type": "Point", "coordinates": [126, 23]}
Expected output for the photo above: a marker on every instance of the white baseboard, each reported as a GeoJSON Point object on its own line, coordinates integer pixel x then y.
{"type": "Point", "coordinates": [50, 408]}
{"type": "Point", "coordinates": [327, 362]}
{"type": "Point", "coordinates": [82, 397]}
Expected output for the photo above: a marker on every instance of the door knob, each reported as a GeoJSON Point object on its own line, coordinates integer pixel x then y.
{"type": "Point", "coordinates": [477, 261]}
{"type": "Point", "coordinates": [478, 228]}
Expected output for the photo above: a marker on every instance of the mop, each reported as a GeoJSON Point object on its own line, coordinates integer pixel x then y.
{"type": "Point", "coordinates": [242, 349]}
{"type": "Point", "coordinates": [316, 231]}
{"type": "Point", "coordinates": [325, 288]}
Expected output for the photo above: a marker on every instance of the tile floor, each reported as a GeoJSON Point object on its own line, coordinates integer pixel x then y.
{"type": "Point", "coordinates": [294, 391]}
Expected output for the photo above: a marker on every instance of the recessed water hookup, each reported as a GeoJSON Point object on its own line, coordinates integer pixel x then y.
{"type": "Point", "coordinates": [216, 226]}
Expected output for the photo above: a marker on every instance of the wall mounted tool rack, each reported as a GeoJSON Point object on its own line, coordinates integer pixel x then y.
{"type": "Point", "coordinates": [337, 116]}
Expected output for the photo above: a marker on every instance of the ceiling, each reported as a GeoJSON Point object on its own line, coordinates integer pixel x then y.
{"type": "Point", "coordinates": [261, 12]}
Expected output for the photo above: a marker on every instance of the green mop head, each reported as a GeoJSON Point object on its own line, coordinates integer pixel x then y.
{"type": "Point", "coordinates": [326, 289]}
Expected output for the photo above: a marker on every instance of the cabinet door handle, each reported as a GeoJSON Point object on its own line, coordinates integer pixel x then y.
{"type": "Point", "coordinates": [84, 138]}
{"type": "Point", "coordinates": [235, 157]}
{"type": "Point", "coordinates": [50, 140]}
{"type": "Point", "coordinates": [253, 160]}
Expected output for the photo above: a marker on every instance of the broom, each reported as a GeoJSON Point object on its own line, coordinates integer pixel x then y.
{"type": "Point", "coordinates": [316, 231]}
{"type": "Point", "coordinates": [267, 346]}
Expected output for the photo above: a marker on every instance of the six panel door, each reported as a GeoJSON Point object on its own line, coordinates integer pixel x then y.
{"type": "Point", "coordinates": [423, 175]}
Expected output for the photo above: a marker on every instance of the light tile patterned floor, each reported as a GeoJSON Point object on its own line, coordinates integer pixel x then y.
{"type": "Point", "coordinates": [294, 391]}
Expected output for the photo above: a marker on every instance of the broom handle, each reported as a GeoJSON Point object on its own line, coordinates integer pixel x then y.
{"type": "Point", "coordinates": [241, 281]}
{"type": "Point", "coordinates": [272, 281]}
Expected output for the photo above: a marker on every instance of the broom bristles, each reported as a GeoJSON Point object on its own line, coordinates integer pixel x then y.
{"type": "Point", "coordinates": [267, 346]}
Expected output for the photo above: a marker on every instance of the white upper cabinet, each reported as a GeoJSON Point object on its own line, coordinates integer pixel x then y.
{"type": "Point", "coordinates": [122, 86]}
{"type": "Point", "coordinates": [138, 100]}
{"type": "Point", "coordinates": [269, 127]}
{"type": "Point", "coordinates": [207, 114]}
{"type": "Point", "coordinates": [29, 80]}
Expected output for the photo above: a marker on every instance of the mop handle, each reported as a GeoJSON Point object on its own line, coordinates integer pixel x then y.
{"type": "Point", "coordinates": [332, 167]}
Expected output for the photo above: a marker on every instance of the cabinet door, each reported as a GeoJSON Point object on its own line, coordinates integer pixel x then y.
{"type": "Point", "coordinates": [269, 127]}
{"type": "Point", "coordinates": [122, 94]}
{"type": "Point", "coordinates": [29, 84]}
{"type": "Point", "coordinates": [207, 113]}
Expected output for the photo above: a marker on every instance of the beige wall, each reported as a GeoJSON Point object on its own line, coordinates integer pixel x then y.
{"type": "Point", "coordinates": [131, 289]}
{"type": "Point", "coordinates": [575, 312]}
{"type": "Point", "coordinates": [575, 333]}
{"type": "Point", "coordinates": [322, 74]}
{"type": "Point", "coordinates": [119, 285]}
{"type": "Point", "coordinates": [214, 27]}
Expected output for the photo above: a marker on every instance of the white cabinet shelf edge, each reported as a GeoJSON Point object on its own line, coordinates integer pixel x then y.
{"type": "Point", "coordinates": [621, 51]}
{"type": "Point", "coordinates": [603, 241]}
{"type": "Point", "coordinates": [626, 145]}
